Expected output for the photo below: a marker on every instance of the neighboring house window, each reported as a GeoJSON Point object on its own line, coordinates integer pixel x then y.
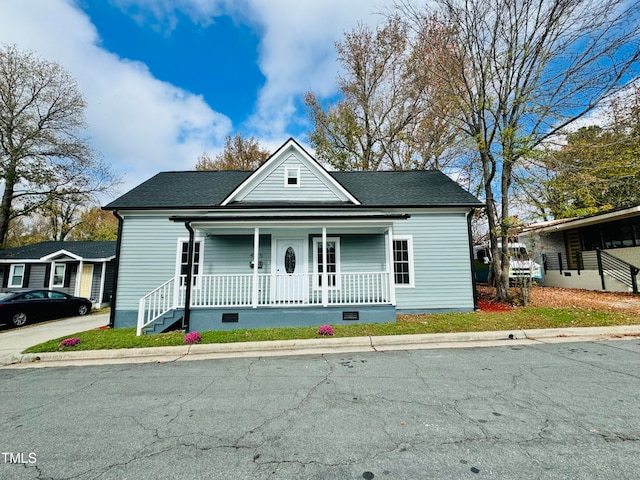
{"type": "Point", "coordinates": [333, 261]}
{"type": "Point", "coordinates": [58, 275]}
{"type": "Point", "coordinates": [184, 260]}
{"type": "Point", "coordinates": [291, 177]}
{"type": "Point", "coordinates": [16, 276]}
{"type": "Point", "coordinates": [403, 261]}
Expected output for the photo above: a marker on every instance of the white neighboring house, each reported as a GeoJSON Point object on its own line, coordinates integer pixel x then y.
{"type": "Point", "coordinates": [593, 252]}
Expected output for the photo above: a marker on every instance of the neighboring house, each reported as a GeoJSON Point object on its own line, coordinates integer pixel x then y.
{"type": "Point", "coordinates": [594, 252]}
{"type": "Point", "coordinates": [83, 269]}
{"type": "Point", "coordinates": [291, 244]}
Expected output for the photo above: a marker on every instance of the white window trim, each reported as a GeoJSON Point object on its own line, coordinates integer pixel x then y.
{"type": "Point", "coordinates": [12, 271]}
{"type": "Point", "coordinates": [316, 282]}
{"type": "Point", "coordinates": [179, 243]}
{"type": "Point", "coordinates": [287, 175]}
{"type": "Point", "coordinates": [53, 274]}
{"type": "Point", "coordinates": [411, 284]}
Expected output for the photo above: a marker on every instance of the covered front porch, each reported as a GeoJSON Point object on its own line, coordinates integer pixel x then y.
{"type": "Point", "coordinates": [268, 268]}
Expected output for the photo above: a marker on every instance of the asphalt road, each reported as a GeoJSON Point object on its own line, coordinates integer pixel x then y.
{"type": "Point", "coordinates": [554, 411]}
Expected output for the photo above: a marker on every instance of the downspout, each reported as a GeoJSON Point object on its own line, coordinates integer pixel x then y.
{"type": "Point", "coordinates": [473, 268]}
{"type": "Point", "coordinates": [188, 280]}
{"type": "Point", "coordinates": [114, 290]}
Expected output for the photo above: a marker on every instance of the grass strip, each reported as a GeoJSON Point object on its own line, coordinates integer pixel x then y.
{"type": "Point", "coordinates": [519, 318]}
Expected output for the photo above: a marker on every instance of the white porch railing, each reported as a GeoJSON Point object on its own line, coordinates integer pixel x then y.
{"type": "Point", "coordinates": [265, 290]}
{"type": "Point", "coordinates": [155, 304]}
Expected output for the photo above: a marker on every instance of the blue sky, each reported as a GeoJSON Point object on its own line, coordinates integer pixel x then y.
{"type": "Point", "coordinates": [166, 80]}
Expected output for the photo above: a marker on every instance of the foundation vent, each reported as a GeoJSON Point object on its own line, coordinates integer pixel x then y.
{"type": "Point", "coordinates": [230, 317]}
{"type": "Point", "coordinates": [350, 315]}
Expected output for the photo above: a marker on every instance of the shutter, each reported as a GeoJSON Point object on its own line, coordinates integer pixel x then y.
{"type": "Point", "coordinates": [25, 278]}
{"type": "Point", "coordinates": [47, 274]}
{"type": "Point", "coordinates": [5, 275]}
{"type": "Point", "coordinates": [67, 275]}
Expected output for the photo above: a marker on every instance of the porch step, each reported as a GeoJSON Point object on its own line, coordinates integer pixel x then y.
{"type": "Point", "coordinates": [171, 320]}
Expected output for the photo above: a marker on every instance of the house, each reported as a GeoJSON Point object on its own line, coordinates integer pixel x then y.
{"type": "Point", "coordinates": [291, 244]}
{"type": "Point", "coordinates": [83, 269]}
{"type": "Point", "coordinates": [593, 252]}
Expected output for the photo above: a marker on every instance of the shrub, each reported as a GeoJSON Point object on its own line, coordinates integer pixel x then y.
{"type": "Point", "coordinates": [326, 331]}
{"type": "Point", "coordinates": [70, 342]}
{"type": "Point", "coordinates": [192, 337]}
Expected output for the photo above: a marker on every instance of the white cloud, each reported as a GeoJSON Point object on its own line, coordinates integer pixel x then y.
{"type": "Point", "coordinates": [142, 125]}
{"type": "Point", "coordinates": [297, 52]}
{"type": "Point", "coordinates": [139, 124]}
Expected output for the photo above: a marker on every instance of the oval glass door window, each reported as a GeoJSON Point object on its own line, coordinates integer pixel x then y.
{"type": "Point", "coordinates": [290, 260]}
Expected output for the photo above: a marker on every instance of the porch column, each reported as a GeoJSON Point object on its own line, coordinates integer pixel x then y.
{"type": "Point", "coordinates": [391, 278]}
{"type": "Point", "coordinates": [76, 288]}
{"type": "Point", "coordinates": [256, 263]}
{"type": "Point", "coordinates": [325, 277]}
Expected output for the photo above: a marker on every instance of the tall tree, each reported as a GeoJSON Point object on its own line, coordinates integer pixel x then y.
{"type": "Point", "coordinates": [61, 215]}
{"type": "Point", "coordinates": [520, 72]}
{"type": "Point", "coordinates": [42, 151]}
{"type": "Point", "coordinates": [388, 115]}
{"type": "Point", "coordinates": [95, 224]}
{"type": "Point", "coordinates": [239, 154]}
{"type": "Point", "coordinates": [596, 167]}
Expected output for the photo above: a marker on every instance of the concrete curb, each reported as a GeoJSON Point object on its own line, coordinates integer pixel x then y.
{"type": "Point", "coordinates": [329, 345]}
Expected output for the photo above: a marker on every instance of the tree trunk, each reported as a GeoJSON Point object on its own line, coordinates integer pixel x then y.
{"type": "Point", "coordinates": [5, 209]}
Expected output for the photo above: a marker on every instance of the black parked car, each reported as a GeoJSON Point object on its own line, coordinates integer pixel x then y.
{"type": "Point", "coordinates": [20, 308]}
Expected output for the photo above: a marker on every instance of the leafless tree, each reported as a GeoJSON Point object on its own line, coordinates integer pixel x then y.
{"type": "Point", "coordinates": [388, 115]}
{"type": "Point", "coordinates": [42, 151]}
{"type": "Point", "coordinates": [521, 71]}
{"type": "Point", "coordinates": [239, 154]}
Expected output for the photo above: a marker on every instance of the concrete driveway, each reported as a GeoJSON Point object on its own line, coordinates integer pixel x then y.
{"type": "Point", "coordinates": [15, 340]}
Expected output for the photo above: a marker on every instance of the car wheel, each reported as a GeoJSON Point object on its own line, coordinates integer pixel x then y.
{"type": "Point", "coordinates": [83, 310]}
{"type": "Point", "coordinates": [19, 319]}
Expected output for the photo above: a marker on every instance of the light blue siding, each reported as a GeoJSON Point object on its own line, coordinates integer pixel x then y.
{"type": "Point", "coordinates": [147, 257]}
{"type": "Point", "coordinates": [312, 187]}
{"type": "Point", "coordinates": [442, 272]}
{"type": "Point", "coordinates": [441, 263]}
{"type": "Point", "coordinates": [231, 254]}
{"type": "Point", "coordinates": [358, 253]}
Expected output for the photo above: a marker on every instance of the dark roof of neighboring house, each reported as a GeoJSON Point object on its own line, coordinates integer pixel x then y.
{"type": "Point", "coordinates": [83, 249]}
{"type": "Point", "coordinates": [206, 189]}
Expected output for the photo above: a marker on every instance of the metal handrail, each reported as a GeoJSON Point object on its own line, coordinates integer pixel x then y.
{"type": "Point", "coordinates": [618, 269]}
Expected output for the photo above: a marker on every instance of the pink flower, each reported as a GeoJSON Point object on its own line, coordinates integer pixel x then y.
{"type": "Point", "coordinates": [192, 337]}
{"type": "Point", "coordinates": [70, 342]}
{"type": "Point", "coordinates": [326, 331]}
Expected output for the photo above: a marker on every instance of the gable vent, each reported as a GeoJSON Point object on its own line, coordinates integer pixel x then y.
{"type": "Point", "coordinates": [230, 317]}
{"type": "Point", "coordinates": [350, 315]}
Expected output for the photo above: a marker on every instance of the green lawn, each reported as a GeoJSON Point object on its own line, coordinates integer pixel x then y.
{"type": "Point", "coordinates": [519, 318]}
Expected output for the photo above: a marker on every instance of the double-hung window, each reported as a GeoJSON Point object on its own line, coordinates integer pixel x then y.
{"type": "Point", "coordinates": [58, 275]}
{"type": "Point", "coordinates": [183, 267]}
{"type": "Point", "coordinates": [332, 253]}
{"type": "Point", "coordinates": [292, 177]}
{"type": "Point", "coordinates": [403, 261]}
{"type": "Point", "coordinates": [16, 276]}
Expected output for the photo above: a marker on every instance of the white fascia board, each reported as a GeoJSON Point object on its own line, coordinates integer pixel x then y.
{"type": "Point", "coordinates": [59, 253]}
{"type": "Point", "coordinates": [275, 160]}
{"type": "Point", "coordinates": [593, 220]}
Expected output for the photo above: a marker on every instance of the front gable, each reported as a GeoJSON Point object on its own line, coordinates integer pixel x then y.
{"type": "Point", "coordinates": [290, 175]}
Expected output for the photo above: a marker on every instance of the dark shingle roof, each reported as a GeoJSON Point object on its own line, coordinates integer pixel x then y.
{"type": "Point", "coordinates": [85, 249]}
{"type": "Point", "coordinates": [202, 189]}
{"type": "Point", "coordinates": [405, 188]}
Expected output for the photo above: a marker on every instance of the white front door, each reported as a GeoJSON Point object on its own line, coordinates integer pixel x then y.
{"type": "Point", "coordinates": [290, 270]}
